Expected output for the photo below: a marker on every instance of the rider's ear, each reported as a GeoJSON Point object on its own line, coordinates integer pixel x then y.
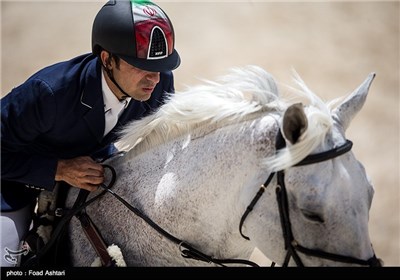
{"type": "Point", "coordinates": [294, 122]}
{"type": "Point", "coordinates": [106, 58]}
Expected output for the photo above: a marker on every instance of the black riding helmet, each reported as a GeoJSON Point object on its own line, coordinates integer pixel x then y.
{"type": "Point", "coordinates": [139, 32]}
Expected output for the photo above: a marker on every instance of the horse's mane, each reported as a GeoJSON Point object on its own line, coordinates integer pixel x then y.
{"type": "Point", "coordinates": [244, 91]}
{"type": "Point", "coordinates": [231, 98]}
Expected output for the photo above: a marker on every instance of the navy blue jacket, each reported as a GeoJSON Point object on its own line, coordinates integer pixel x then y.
{"type": "Point", "coordinates": [58, 113]}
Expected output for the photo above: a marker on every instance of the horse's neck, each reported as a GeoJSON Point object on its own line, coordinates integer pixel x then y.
{"type": "Point", "coordinates": [196, 188]}
{"type": "Point", "coordinates": [192, 187]}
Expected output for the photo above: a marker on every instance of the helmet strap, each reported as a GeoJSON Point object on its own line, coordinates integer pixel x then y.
{"type": "Point", "coordinates": [111, 77]}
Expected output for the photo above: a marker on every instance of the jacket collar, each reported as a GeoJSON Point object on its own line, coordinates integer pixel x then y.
{"type": "Point", "coordinates": [92, 99]}
{"type": "Point", "coordinates": [91, 85]}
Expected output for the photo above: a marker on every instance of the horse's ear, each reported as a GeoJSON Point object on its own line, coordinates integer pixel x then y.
{"type": "Point", "coordinates": [294, 122]}
{"type": "Point", "coordinates": [346, 111]}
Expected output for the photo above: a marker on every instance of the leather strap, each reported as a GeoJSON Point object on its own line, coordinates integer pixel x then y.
{"type": "Point", "coordinates": [95, 239]}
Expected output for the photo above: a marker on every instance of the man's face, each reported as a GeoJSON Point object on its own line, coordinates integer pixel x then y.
{"type": "Point", "coordinates": [137, 83]}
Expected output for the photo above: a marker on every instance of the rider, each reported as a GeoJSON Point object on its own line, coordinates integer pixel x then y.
{"type": "Point", "coordinates": [58, 124]}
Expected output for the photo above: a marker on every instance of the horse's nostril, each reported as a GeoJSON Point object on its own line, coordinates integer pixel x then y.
{"type": "Point", "coordinates": [312, 216]}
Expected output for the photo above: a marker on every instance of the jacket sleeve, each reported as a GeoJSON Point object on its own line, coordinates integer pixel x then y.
{"type": "Point", "coordinates": [27, 112]}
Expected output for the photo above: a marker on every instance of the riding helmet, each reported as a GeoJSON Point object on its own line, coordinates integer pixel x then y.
{"type": "Point", "coordinates": [139, 32]}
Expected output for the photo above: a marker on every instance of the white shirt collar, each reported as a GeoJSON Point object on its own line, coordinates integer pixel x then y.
{"type": "Point", "coordinates": [111, 102]}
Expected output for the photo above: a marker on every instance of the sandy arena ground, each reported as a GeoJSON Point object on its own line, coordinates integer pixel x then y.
{"type": "Point", "coordinates": [332, 45]}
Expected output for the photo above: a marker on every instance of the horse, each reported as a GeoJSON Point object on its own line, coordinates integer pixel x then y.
{"type": "Point", "coordinates": [225, 167]}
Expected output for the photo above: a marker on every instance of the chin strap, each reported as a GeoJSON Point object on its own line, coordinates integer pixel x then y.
{"type": "Point", "coordinates": [111, 77]}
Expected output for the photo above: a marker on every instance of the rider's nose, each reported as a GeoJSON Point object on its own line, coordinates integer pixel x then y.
{"type": "Point", "coordinates": [153, 77]}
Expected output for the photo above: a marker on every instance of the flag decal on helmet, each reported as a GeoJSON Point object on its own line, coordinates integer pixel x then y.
{"type": "Point", "coordinates": [149, 11]}
{"type": "Point", "coordinates": [153, 32]}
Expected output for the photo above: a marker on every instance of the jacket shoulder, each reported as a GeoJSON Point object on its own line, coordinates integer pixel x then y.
{"type": "Point", "coordinates": [65, 72]}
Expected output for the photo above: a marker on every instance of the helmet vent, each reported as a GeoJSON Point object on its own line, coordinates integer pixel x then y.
{"type": "Point", "coordinates": [158, 44]}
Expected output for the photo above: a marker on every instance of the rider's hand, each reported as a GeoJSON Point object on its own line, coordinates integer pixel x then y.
{"type": "Point", "coordinates": [81, 172]}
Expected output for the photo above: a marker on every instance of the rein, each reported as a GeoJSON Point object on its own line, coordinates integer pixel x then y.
{"type": "Point", "coordinates": [35, 260]}
{"type": "Point", "coordinates": [291, 245]}
{"type": "Point", "coordinates": [79, 206]}
{"type": "Point", "coordinates": [186, 249]}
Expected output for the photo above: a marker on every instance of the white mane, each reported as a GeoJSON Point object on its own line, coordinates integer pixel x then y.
{"type": "Point", "coordinates": [231, 98]}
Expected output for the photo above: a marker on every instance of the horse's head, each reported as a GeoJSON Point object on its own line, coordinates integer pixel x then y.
{"type": "Point", "coordinates": [323, 199]}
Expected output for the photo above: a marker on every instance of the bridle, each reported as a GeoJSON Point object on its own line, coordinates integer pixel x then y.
{"type": "Point", "coordinates": [291, 245]}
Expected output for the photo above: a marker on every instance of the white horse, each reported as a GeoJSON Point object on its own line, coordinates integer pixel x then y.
{"type": "Point", "coordinates": [224, 168]}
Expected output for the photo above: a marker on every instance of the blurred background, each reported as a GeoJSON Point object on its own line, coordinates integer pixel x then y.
{"type": "Point", "coordinates": [333, 45]}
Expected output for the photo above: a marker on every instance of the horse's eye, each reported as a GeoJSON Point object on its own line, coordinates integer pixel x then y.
{"type": "Point", "coordinates": [312, 216]}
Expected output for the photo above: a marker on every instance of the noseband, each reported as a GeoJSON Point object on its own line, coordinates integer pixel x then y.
{"type": "Point", "coordinates": [291, 245]}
